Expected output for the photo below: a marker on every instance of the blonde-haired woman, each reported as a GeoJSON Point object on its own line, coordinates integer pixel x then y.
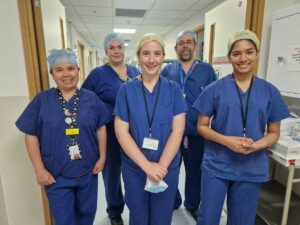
{"type": "Point", "coordinates": [149, 124]}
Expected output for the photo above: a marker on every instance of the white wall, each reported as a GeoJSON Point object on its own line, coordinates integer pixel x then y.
{"type": "Point", "coordinates": [74, 36]}
{"type": "Point", "coordinates": [52, 11]}
{"type": "Point", "coordinates": [228, 18]}
{"type": "Point", "coordinates": [21, 197]}
{"type": "Point", "coordinates": [190, 24]}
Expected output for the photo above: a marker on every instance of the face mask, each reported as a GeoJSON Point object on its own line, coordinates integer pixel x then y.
{"type": "Point", "coordinates": [155, 187]}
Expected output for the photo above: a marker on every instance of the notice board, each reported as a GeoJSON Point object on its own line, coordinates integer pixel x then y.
{"type": "Point", "coordinates": [284, 55]}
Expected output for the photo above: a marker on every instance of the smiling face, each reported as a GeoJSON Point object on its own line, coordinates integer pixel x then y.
{"type": "Point", "coordinates": [115, 52]}
{"type": "Point", "coordinates": [185, 48]}
{"type": "Point", "coordinates": [243, 57]}
{"type": "Point", "coordinates": [151, 57]}
{"type": "Point", "coordinates": [66, 76]}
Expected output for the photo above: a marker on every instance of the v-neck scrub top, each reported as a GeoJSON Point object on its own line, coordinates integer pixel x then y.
{"type": "Point", "coordinates": [44, 118]}
{"type": "Point", "coordinates": [105, 82]}
{"type": "Point", "coordinates": [220, 101]}
{"type": "Point", "coordinates": [130, 107]}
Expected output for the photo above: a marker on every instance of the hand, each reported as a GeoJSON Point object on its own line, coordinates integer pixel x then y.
{"type": "Point", "coordinates": [251, 147]}
{"type": "Point", "coordinates": [155, 172]}
{"type": "Point", "coordinates": [43, 177]}
{"type": "Point", "coordinates": [238, 144]}
{"type": "Point", "coordinates": [99, 166]}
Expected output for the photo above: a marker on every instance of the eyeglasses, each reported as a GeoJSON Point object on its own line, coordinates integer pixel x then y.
{"type": "Point", "coordinates": [188, 43]}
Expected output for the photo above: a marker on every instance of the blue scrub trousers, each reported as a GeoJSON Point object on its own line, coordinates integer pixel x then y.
{"type": "Point", "coordinates": [112, 175]}
{"type": "Point", "coordinates": [192, 159]}
{"type": "Point", "coordinates": [242, 201]}
{"type": "Point", "coordinates": [73, 201]}
{"type": "Point", "coordinates": [147, 208]}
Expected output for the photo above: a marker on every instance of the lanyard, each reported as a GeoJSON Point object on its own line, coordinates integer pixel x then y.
{"type": "Point", "coordinates": [121, 77]}
{"type": "Point", "coordinates": [244, 114]}
{"type": "Point", "coordinates": [183, 76]}
{"type": "Point", "coordinates": [150, 121]}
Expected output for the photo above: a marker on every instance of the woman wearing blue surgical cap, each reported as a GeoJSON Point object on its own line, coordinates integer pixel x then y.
{"type": "Point", "coordinates": [65, 135]}
{"type": "Point", "coordinates": [245, 113]}
{"type": "Point", "coordinates": [149, 122]}
{"type": "Point", "coordinates": [105, 81]}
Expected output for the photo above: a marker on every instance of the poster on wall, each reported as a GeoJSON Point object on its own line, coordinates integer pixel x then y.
{"type": "Point", "coordinates": [293, 59]}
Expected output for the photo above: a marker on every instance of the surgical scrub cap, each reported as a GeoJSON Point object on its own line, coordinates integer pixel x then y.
{"type": "Point", "coordinates": [63, 55]}
{"type": "Point", "coordinates": [188, 33]}
{"type": "Point", "coordinates": [150, 37]}
{"type": "Point", "coordinates": [242, 35]}
{"type": "Point", "coordinates": [112, 37]}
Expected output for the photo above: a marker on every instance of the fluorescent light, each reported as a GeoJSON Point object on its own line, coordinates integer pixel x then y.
{"type": "Point", "coordinates": [124, 31]}
{"type": "Point", "coordinates": [126, 44]}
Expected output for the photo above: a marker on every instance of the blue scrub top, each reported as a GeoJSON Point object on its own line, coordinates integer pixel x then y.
{"type": "Point", "coordinates": [44, 118]}
{"type": "Point", "coordinates": [130, 107]}
{"type": "Point", "coordinates": [105, 82]}
{"type": "Point", "coordinates": [220, 100]}
{"type": "Point", "coordinates": [200, 76]}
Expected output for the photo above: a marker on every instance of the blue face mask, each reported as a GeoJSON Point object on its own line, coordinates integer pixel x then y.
{"type": "Point", "coordinates": [155, 187]}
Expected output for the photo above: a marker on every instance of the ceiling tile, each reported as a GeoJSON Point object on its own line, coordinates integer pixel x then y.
{"type": "Point", "coordinates": [133, 4]}
{"type": "Point", "coordinates": [127, 20]}
{"type": "Point", "coordinates": [202, 4]}
{"type": "Point", "coordinates": [164, 14]}
{"type": "Point", "coordinates": [95, 11]}
{"type": "Point", "coordinates": [161, 22]}
{"type": "Point", "coordinates": [97, 19]}
{"type": "Point", "coordinates": [174, 4]}
{"type": "Point", "coordinates": [100, 3]}
{"type": "Point", "coordinates": [188, 14]}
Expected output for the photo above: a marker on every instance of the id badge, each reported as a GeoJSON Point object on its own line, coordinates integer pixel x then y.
{"type": "Point", "coordinates": [72, 131]}
{"type": "Point", "coordinates": [74, 152]}
{"type": "Point", "coordinates": [150, 143]}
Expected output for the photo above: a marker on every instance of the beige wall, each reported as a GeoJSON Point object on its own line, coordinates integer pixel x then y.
{"type": "Point", "coordinates": [19, 194]}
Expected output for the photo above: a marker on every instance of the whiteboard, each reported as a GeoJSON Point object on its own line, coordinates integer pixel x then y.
{"type": "Point", "coordinates": [284, 62]}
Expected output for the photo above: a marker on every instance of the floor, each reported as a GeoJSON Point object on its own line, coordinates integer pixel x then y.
{"type": "Point", "coordinates": [180, 216]}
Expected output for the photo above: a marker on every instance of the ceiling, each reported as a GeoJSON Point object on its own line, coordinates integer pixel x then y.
{"type": "Point", "coordinates": [94, 19]}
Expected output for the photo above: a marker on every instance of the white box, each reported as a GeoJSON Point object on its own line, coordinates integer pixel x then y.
{"type": "Point", "coordinates": [287, 147]}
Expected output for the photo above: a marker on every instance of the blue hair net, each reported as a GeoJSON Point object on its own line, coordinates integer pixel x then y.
{"type": "Point", "coordinates": [188, 33]}
{"type": "Point", "coordinates": [63, 55]}
{"type": "Point", "coordinates": [112, 37]}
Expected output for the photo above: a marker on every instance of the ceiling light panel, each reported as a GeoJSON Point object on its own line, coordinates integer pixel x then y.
{"type": "Point", "coordinates": [124, 31]}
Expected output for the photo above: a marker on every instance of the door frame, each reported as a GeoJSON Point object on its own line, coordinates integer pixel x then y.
{"type": "Point", "coordinates": [31, 25]}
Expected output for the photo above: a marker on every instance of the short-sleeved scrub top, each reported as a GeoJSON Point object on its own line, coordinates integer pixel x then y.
{"type": "Point", "coordinates": [220, 101]}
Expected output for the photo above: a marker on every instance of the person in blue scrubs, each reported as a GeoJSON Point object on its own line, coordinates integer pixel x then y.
{"type": "Point", "coordinates": [193, 76]}
{"type": "Point", "coordinates": [65, 135]}
{"type": "Point", "coordinates": [149, 124]}
{"type": "Point", "coordinates": [105, 81]}
{"type": "Point", "coordinates": [245, 113]}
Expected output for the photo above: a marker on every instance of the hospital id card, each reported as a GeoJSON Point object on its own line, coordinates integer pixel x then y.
{"type": "Point", "coordinates": [72, 131]}
{"type": "Point", "coordinates": [150, 143]}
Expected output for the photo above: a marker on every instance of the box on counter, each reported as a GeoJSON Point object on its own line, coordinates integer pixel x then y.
{"type": "Point", "coordinates": [286, 126]}
{"type": "Point", "coordinates": [287, 147]}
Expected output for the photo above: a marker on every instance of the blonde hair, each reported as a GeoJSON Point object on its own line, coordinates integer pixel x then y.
{"type": "Point", "coordinates": [150, 37]}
